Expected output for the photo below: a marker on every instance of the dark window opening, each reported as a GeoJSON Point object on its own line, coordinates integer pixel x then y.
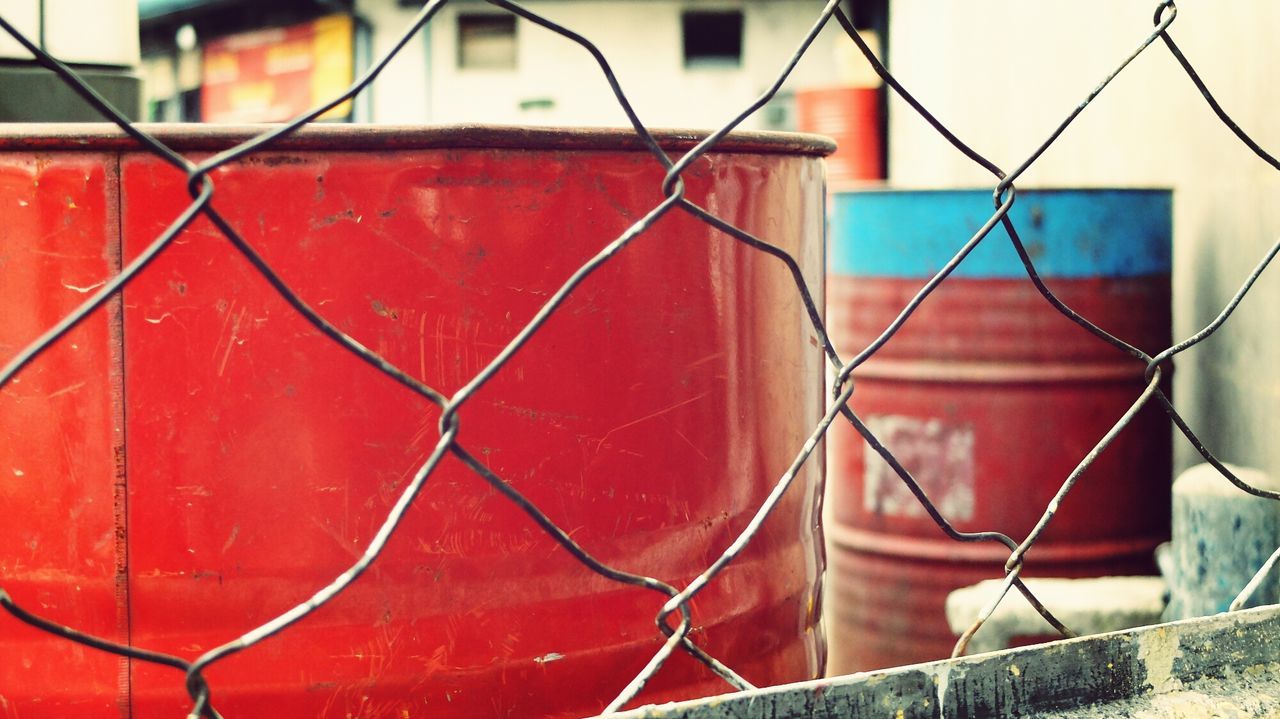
{"type": "Point", "coordinates": [486, 42]}
{"type": "Point", "coordinates": [189, 105]}
{"type": "Point", "coordinates": [712, 38]}
{"type": "Point", "coordinates": [780, 112]}
{"type": "Point", "coordinates": [865, 14]}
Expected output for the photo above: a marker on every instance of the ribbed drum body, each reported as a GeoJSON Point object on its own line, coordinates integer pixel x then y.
{"type": "Point", "coordinates": [990, 397]}
{"type": "Point", "coordinates": [241, 460]}
{"type": "Point", "coordinates": [851, 117]}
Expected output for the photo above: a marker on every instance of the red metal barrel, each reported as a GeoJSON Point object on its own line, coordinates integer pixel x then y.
{"type": "Point", "coordinates": [990, 398]}
{"type": "Point", "coordinates": [198, 459]}
{"type": "Point", "coordinates": [61, 434]}
{"type": "Point", "coordinates": [850, 116]}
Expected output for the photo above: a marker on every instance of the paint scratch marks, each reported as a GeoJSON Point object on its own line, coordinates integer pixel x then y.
{"type": "Point", "coordinates": [66, 390]}
{"type": "Point", "coordinates": [548, 658]}
{"type": "Point", "coordinates": [652, 415]}
{"type": "Point", "coordinates": [86, 289]}
{"type": "Point", "coordinates": [234, 339]}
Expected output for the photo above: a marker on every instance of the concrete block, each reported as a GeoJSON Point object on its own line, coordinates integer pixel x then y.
{"type": "Point", "coordinates": [1221, 537]}
{"type": "Point", "coordinates": [1087, 606]}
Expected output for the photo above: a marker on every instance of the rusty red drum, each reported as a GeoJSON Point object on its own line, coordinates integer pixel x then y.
{"type": "Point", "coordinates": [197, 459]}
{"type": "Point", "coordinates": [990, 398]}
{"type": "Point", "coordinates": [851, 117]}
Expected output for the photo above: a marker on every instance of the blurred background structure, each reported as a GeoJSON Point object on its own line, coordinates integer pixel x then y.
{"type": "Point", "coordinates": [682, 62]}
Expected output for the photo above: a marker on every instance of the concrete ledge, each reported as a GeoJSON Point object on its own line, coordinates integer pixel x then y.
{"type": "Point", "coordinates": [1087, 606]}
{"type": "Point", "coordinates": [1224, 665]}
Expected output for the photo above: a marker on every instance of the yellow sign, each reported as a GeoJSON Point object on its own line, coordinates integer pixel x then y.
{"type": "Point", "coordinates": [277, 74]}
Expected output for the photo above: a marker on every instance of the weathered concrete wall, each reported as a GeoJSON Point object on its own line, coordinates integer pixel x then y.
{"type": "Point", "coordinates": [1002, 73]}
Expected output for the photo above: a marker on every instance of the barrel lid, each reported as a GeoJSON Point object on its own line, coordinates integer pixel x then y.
{"type": "Point", "coordinates": [1069, 233]}
{"type": "Point", "coordinates": [357, 137]}
{"type": "Point", "coordinates": [864, 187]}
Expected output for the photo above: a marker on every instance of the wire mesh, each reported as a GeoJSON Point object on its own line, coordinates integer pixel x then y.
{"type": "Point", "coordinates": [677, 603]}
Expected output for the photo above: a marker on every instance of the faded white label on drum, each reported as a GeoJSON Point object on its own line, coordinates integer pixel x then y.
{"type": "Point", "coordinates": [937, 454]}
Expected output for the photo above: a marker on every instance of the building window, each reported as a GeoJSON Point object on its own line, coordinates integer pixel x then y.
{"type": "Point", "coordinates": [712, 38]}
{"type": "Point", "coordinates": [779, 113]}
{"type": "Point", "coordinates": [486, 42]}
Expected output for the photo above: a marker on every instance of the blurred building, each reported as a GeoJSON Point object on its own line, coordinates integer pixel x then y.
{"type": "Point", "coordinates": [686, 63]}
{"type": "Point", "coordinates": [235, 61]}
{"type": "Point", "coordinates": [99, 40]}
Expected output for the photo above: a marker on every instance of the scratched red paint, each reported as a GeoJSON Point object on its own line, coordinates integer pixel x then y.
{"type": "Point", "coordinates": [649, 418]}
{"type": "Point", "coordinates": [941, 457]}
{"type": "Point", "coordinates": [62, 435]}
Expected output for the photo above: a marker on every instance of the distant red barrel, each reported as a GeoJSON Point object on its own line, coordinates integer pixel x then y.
{"type": "Point", "coordinates": [990, 398]}
{"type": "Point", "coordinates": [197, 459]}
{"type": "Point", "coordinates": [851, 117]}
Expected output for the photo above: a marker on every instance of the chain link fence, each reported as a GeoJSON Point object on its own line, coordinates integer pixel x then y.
{"type": "Point", "coordinates": [674, 616]}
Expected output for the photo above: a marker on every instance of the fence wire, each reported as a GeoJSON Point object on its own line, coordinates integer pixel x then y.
{"type": "Point", "coordinates": [677, 600]}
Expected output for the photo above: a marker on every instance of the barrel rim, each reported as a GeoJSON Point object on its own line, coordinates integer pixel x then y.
{"type": "Point", "coordinates": [873, 187]}
{"type": "Point", "coordinates": [359, 136]}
